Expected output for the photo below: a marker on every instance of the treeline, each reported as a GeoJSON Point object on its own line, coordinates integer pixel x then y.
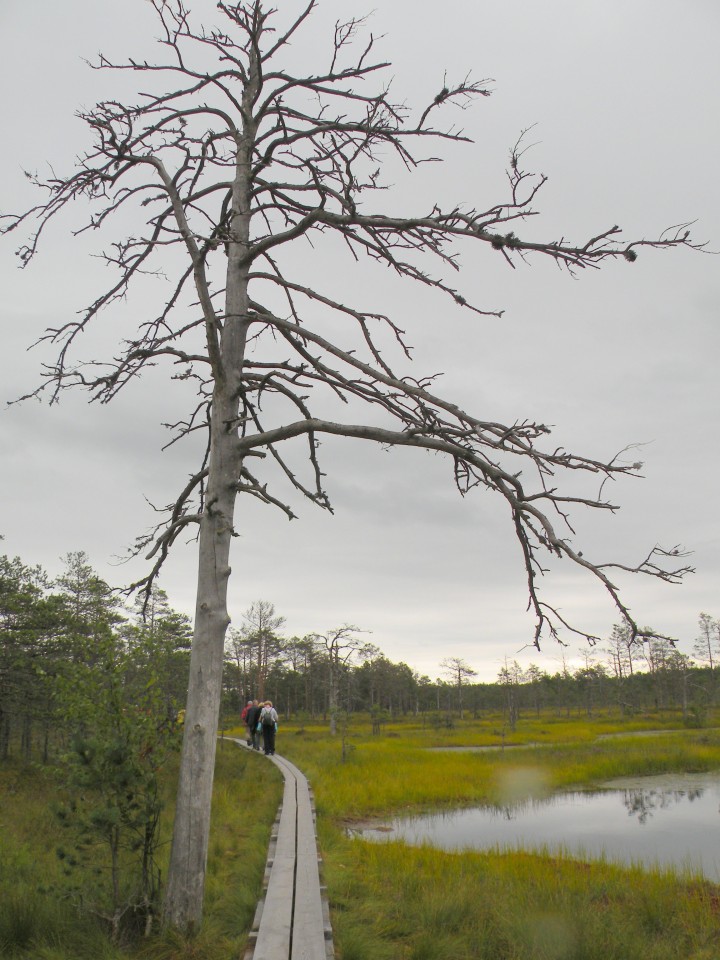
{"type": "Point", "coordinates": [61, 637]}
{"type": "Point", "coordinates": [57, 637]}
{"type": "Point", "coordinates": [321, 674]}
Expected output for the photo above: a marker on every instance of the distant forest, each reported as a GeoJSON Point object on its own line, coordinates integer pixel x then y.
{"type": "Point", "coordinates": [70, 649]}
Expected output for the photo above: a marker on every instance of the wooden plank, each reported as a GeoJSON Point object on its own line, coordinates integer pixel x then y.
{"type": "Point", "coordinates": [286, 766]}
{"type": "Point", "coordinates": [292, 924]}
{"type": "Point", "coordinates": [308, 940]}
{"type": "Point", "coordinates": [308, 925]}
{"type": "Point", "coordinates": [306, 840]}
{"type": "Point", "coordinates": [273, 939]}
{"type": "Point", "coordinates": [286, 838]}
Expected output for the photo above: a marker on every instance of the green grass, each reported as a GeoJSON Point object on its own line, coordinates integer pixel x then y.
{"type": "Point", "coordinates": [47, 913]}
{"type": "Point", "coordinates": [392, 901]}
{"type": "Point", "coordinates": [395, 772]}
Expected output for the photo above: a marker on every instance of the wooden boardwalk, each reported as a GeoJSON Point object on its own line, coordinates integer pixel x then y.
{"type": "Point", "coordinates": [292, 920]}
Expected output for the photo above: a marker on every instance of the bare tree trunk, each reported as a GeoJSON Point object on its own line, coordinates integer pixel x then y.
{"type": "Point", "coordinates": [188, 859]}
{"type": "Point", "coordinates": [332, 698]}
{"type": "Point", "coordinates": [186, 876]}
{"type": "Point", "coordinates": [260, 672]}
{"type": "Point", "coordinates": [26, 737]}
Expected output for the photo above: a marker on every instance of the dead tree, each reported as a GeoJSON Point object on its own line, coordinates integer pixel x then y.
{"type": "Point", "coordinates": [340, 647]}
{"type": "Point", "coordinates": [459, 672]}
{"type": "Point", "coordinates": [225, 163]}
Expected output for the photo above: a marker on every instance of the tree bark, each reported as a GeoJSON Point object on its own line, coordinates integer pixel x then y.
{"type": "Point", "coordinates": [191, 832]}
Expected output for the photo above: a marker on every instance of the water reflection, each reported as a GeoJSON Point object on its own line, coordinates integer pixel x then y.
{"type": "Point", "coordinates": [643, 803]}
{"type": "Point", "coordinates": [668, 820]}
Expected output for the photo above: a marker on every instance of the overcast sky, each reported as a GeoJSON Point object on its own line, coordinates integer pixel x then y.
{"type": "Point", "coordinates": [622, 99]}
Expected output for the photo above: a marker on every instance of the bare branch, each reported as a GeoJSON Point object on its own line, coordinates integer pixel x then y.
{"type": "Point", "coordinates": [223, 165]}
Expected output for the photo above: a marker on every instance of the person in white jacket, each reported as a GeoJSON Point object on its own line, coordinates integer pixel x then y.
{"type": "Point", "coordinates": [268, 721]}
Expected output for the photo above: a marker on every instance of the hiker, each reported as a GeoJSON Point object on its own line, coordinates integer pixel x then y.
{"type": "Point", "coordinates": [253, 722]}
{"type": "Point", "coordinates": [243, 717]}
{"type": "Point", "coordinates": [268, 721]}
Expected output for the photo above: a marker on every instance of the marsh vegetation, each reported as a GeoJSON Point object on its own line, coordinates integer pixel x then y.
{"type": "Point", "coordinates": [395, 900]}
{"type": "Point", "coordinates": [51, 909]}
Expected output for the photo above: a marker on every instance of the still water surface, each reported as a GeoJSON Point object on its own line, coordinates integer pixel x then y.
{"type": "Point", "coordinates": [672, 820]}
